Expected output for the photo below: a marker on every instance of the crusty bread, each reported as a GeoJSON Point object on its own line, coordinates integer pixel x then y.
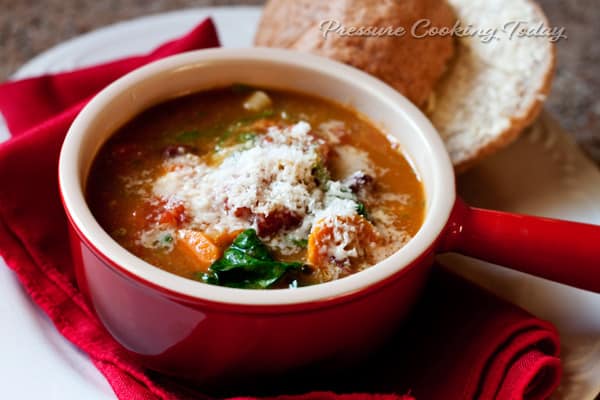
{"type": "Point", "coordinates": [411, 65]}
{"type": "Point", "coordinates": [490, 92]}
{"type": "Point", "coordinates": [493, 90]}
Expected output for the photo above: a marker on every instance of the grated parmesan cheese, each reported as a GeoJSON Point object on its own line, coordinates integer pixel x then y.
{"type": "Point", "coordinates": [276, 173]}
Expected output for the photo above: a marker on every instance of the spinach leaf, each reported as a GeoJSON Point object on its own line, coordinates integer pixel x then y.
{"type": "Point", "coordinates": [247, 264]}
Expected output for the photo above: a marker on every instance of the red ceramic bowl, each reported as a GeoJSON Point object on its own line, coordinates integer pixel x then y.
{"type": "Point", "coordinates": [210, 333]}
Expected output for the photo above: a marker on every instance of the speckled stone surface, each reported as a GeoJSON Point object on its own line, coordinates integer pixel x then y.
{"type": "Point", "coordinates": [28, 27]}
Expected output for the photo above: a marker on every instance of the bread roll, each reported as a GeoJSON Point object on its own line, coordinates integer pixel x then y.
{"type": "Point", "coordinates": [409, 64]}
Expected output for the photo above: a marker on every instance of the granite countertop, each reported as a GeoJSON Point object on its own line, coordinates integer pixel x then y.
{"type": "Point", "coordinates": [29, 27]}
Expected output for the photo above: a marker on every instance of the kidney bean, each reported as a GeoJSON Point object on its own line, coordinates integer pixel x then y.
{"type": "Point", "coordinates": [359, 181]}
{"type": "Point", "coordinates": [275, 221]}
{"type": "Point", "coordinates": [243, 212]}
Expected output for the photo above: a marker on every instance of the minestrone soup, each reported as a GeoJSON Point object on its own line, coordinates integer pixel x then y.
{"type": "Point", "coordinates": [252, 188]}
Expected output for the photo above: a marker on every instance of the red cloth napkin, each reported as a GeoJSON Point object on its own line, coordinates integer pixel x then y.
{"type": "Point", "coordinates": [461, 343]}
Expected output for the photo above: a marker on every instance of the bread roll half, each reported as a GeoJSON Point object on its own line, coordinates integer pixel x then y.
{"type": "Point", "coordinates": [494, 89]}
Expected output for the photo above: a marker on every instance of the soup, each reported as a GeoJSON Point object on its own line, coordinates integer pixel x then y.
{"type": "Point", "coordinates": [252, 188]}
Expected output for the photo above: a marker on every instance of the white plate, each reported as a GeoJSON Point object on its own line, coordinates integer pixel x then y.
{"type": "Point", "coordinates": [544, 173]}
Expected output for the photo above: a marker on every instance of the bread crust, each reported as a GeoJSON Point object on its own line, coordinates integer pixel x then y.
{"type": "Point", "coordinates": [410, 65]}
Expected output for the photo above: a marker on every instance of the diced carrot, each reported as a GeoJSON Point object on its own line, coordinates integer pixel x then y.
{"type": "Point", "coordinates": [318, 241]}
{"type": "Point", "coordinates": [324, 236]}
{"type": "Point", "coordinates": [198, 248]}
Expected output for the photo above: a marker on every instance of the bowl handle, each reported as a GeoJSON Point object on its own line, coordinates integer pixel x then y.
{"type": "Point", "coordinates": [562, 251]}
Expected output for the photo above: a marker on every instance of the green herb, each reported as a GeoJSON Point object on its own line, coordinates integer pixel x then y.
{"type": "Point", "coordinates": [321, 174]}
{"type": "Point", "coordinates": [251, 118]}
{"type": "Point", "coordinates": [247, 264]}
{"type": "Point", "coordinates": [188, 136]}
{"type": "Point", "coordinates": [302, 243]}
{"type": "Point", "coordinates": [361, 209]}
{"type": "Point", "coordinates": [237, 125]}
{"type": "Point", "coordinates": [164, 241]}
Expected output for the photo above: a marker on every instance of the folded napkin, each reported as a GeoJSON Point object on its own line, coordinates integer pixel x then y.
{"type": "Point", "coordinates": [461, 342]}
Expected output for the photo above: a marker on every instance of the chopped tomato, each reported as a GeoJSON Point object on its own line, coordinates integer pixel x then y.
{"type": "Point", "coordinates": [173, 215]}
{"type": "Point", "coordinates": [243, 213]}
{"type": "Point", "coordinates": [269, 224]}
